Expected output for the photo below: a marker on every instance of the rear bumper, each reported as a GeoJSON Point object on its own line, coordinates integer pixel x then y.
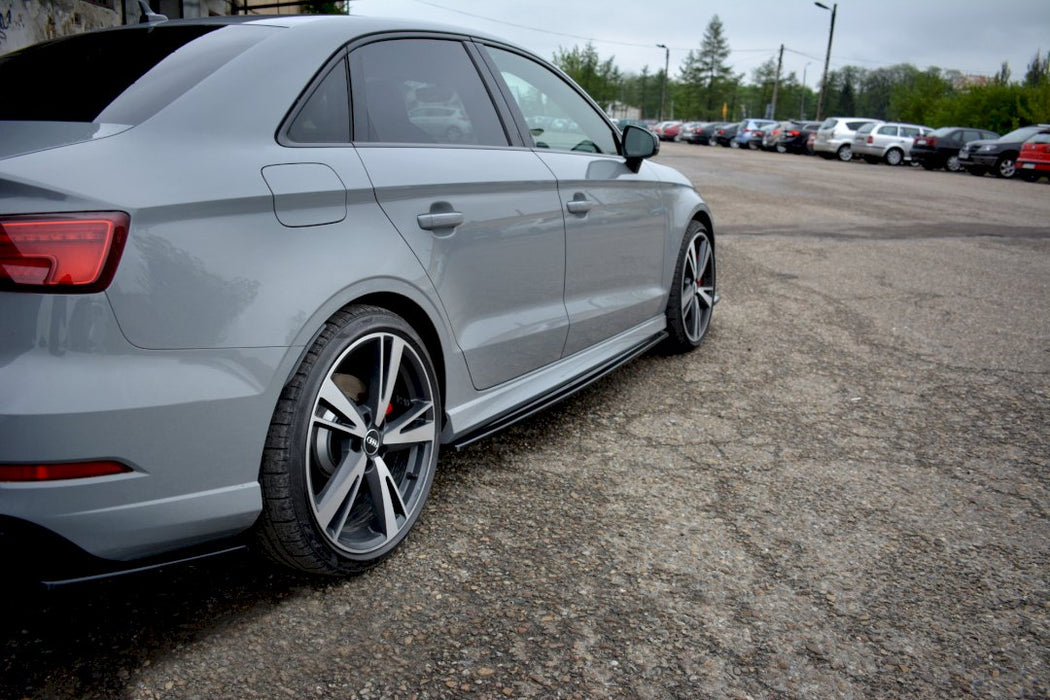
{"type": "Point", "coordinates": [190, 424]}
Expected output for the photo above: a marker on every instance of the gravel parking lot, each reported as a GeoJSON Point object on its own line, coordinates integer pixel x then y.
{"type": "Point", "coordinates": [844, 493]}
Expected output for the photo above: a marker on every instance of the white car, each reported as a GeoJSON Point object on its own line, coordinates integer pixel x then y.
{"type": "Point", "coordinates": [835, 136]}
{"type": "Point", "coordinates": [890, 142]}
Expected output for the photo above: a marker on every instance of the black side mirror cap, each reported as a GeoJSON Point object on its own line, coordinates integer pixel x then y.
{"type": "Point", "coordinates": [638, 144]}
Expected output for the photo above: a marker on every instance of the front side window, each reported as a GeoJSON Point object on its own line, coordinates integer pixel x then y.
{"type": "Point", "coordinates": [557, 116]}
{"type": "Point", "coordinates": [421, 91]}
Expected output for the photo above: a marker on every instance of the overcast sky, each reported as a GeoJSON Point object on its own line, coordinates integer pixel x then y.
{"type": "Point", "coordinates": [973, 36]}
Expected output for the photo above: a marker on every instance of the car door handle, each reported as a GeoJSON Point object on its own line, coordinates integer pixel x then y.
{"type": "Point", "coordinates": [445, 219]}
{"type": "Point", "coordinates": [579, 205]}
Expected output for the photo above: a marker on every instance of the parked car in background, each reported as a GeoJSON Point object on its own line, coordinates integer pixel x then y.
{"type": "Point", "coordinates": [834, 138]}
{"type": "Point", "coordinates": [797, 138]}
{"type": "Point", "coordinates": [890, 142]}
{"type": "Point", "coordinates": [771, 135]}
{"type": "Point", "coordinates": [226, 323]}
{"type": "Point", "coordinates": [621, 123]}
{"type": "Point", "coordinates": [1033, 161]}
{"type": "Point", "coordinates": [687, 130]}
{"type": "Point", "coordinates": [666, 131]}
{"type": "Point", "coordinates": [705, 134]}
{"type": "Point", "coordinates": [750, 132]}
{"type": "Point", "coordinates": [940, 147]}
{"type": "Point", "coordinates": [725, 134]}
{"type": "Point", "coordinates": [998, 156]}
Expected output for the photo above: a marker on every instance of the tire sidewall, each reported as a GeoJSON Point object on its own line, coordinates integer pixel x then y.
{"type": "Point", "coordinates": [314, 371]}
{"type": "Point", "coordinates": [678, 339]}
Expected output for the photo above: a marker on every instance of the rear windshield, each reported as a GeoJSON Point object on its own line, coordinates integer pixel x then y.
{"type": "Point", "coordinates": [119, 77]}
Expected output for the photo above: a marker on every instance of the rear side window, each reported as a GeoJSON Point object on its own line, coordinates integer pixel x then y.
{"type": "Point", "coordinates": [325, 116]}
{"type": "Point", "coordinates": [421, 91]}
{"type": "Point", "coordinates": [123, 76]}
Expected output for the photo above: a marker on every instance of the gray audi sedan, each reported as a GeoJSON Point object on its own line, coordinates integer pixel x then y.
{"type": "Point", "coordinates": [256, 272]}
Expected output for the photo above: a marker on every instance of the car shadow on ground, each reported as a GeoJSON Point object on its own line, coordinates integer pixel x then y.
{"type": "Point", "coordinates": [89, 639]}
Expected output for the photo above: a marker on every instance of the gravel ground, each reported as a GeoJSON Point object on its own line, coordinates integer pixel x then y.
{"type": "Point", "coordinates": [843, 493]}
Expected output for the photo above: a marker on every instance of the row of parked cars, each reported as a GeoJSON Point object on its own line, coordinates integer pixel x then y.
{"type": "Point", "coordinates": [1024, 152]}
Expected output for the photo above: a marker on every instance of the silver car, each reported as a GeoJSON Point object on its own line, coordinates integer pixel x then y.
{"type": "Point", "coordinates": [247, 296]}
{"type": "Point", "coordinates": [890, 142]}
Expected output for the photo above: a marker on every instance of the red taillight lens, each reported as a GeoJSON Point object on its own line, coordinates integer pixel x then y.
{"type": "Point", "coordinates": [61, 252]}
{"type": "Point", "coordinates": [871, 139]}
{"type": "Point", "coordinates": [55, 472]}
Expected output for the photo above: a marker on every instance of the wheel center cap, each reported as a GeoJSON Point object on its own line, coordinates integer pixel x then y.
{"type": "Point", "coordinates": [373, 441]}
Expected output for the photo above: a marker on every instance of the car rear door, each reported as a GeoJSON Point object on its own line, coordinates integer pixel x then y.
{"type": "Point", "coordinates": [483, 218]}
{"type": "Point", "coordinates": [615, 219]}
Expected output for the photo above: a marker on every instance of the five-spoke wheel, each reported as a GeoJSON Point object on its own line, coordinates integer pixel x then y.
{"type": "Point", "coordinates": [353, 446]}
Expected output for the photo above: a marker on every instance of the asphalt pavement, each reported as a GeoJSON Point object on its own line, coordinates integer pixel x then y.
{"type": "Point", "coordinates": [842, 494]}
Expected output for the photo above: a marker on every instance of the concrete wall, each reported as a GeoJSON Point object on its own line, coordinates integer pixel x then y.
{"type": "Point", "coordinates": [25, 22]}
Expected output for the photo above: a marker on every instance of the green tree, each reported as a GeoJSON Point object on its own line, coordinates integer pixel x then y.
{"type": "Point", "coordinates": [323, 7]}
{"type": "Point", "coordinates": [600, 78]}
{"type": "Point", "coordinates": [707, 79]}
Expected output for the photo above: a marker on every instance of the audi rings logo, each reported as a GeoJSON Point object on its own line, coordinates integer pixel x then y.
{"type": "Point", "coordinates": [372, 442]}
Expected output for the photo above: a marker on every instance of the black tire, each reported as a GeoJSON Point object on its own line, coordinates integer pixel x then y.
{"type": "Point", "coordinates": [952, 164]}
{"type": "Point", "coordinates": [845, 153]}
{"type": "Point", "coordinates": [692, 299]}
{"type": "Point", "coordinates": [352, 447]}
{"type": "Point", "coordinates": [894, 156]}
{"type": "Point", "coordinates": [1006, 166]}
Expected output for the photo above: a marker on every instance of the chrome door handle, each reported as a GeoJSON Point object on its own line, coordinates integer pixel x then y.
{"type": "Point", "coordinates": [447, 219]}
{"type": "Point", "coordinates": [578, 205]}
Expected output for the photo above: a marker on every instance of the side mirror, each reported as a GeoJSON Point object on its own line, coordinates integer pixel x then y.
{"type": "Point", "coordinates": [638, 144]}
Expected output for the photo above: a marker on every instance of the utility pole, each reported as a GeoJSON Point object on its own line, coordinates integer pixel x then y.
{"type": "Point", "coordinates": [663, 91]}
{"type": "Point", "coordinates": [827, 58]}
{"type": "Point", "coordinates": [776, 82]}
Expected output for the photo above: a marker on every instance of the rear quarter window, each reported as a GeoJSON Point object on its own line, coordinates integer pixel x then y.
{"type": "Point", "coordinates": [122, 76]}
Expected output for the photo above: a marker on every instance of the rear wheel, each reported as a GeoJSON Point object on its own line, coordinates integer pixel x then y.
{"type": "Point", "coordinates": [845, 153]}
{"type": "Point", "coordinates": [692, 299]}
{"type": "Point", "coordinates": [894, 156]}
{"type": "Point", "coordinates": [952, 164]}
{"type": "Point", "coordinates": [352, 448]}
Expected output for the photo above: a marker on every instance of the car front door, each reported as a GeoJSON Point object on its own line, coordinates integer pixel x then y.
{"type": "Point", "coordinates": [615, 219]}
{"type": "Point", "coordinates": [483, 218]}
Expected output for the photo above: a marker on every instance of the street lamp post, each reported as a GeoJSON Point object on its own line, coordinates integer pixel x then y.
{"type": "Point", "coordinates": [827, 58]}
{"type": "Point", "coordinates": [802, 101]}
{"type": "Point", "coordinates": [663, 91]}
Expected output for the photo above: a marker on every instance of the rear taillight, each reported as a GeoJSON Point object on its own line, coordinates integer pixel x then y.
{"type": "Point", "coordinates": [56, 472]}
{"type": "Point", "coordinates": [871, 139]}
{"type": "Point", "coordinates": [61, 253]}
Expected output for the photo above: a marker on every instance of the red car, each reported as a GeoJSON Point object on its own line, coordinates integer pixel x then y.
{"type": "Point", "coordinates": [1033, 161]}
